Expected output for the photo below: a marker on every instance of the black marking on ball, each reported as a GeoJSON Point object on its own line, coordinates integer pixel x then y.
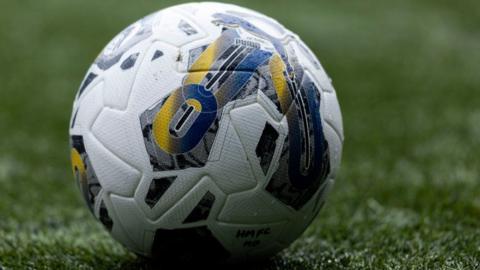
{"type": "Point", "coordinates": [202, 210]}
{"type": "Point", "coordinates": [157, 55]}
{"type": "Point", "coordinates": [88, 182]}
{"type": "Point", "coordinates": [266, 147]}
{"type": "Point", "coordinates": [88, 80]}
{"type": "Point", "coordinates": [130, 61]}
{"type": "Point", "coordinates": [281, 187]}
{"type": "Point", "coordinates": [157, 188]}
{"type": "Point", "coordinates": [74, 119]}
{"type": "Point", "coordinates": [105, 217]}
{"type": "Point", "coordinates": [186, 28]}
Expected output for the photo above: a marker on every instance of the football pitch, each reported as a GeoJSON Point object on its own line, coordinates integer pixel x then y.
{"type": "Point", "coordinates": [407, 77]}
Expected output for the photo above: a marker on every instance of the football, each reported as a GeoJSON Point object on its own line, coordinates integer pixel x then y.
{"type": "Point", "coordinates": [206, 132]}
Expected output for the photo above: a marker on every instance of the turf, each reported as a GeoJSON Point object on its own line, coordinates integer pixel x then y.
{"type": "Point", "coordinates": [406, 73]}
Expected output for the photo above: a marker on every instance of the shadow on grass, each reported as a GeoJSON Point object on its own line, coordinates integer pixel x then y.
{"type": "Point", "coordinates": [152, 264]}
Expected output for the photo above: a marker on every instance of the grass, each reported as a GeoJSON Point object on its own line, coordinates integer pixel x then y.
{"type": "Point", "coordinates": [406, 73]}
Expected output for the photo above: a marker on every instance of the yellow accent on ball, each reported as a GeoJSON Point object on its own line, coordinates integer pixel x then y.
{"type": "Point", "coordinates": [277, 69]}
{"type": "Point", "coordinates": [77, 163]}
{"type": "Point", "coordinates": [195, 104]}
{"type": "Point", "coordinates": [203, 64]}
{"type": "Point", "coordinates": [162, 120]}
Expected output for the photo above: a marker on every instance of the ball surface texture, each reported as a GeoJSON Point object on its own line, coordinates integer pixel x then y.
{"type": "Point", "coordinates": [206, 131]}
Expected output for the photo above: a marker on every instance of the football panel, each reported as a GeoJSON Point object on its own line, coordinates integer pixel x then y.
{"type": "Point", "coordinates": [310, 62]}
{"type": "Point", "coordinates": [231, 171]}
{"type": "Point", "coordinates": [332, 113]}
{"type": "Point", "coordinates": [304, 162]}
{"type": "Point", "coordinates": [184, 233]}
{"type": "Point", "coordinates": [251, 122]}
{"type": "Point", "coordinates": [253, 207]}
{"type": "Point", "coordinates": [88, 108]}
{"type": "Point", "coordinates": [118, 131]}
{"type": "Point", "coordinates": [257, 19]}
{"type": "Point", "coordinates": [304, 218]}
{"type": "Point", "coordinates": [199, 204]}
{"type": "Point", "coordinates": [113, 173]}
{"type": "Point", "coordinates": [119, 78]}
{"type": "Point", "coordinates": [244, 240]}
{"type": "Point", "coordinates": [179, 29]}
{"type": "Point", "coordinates": [133, 222]}
{"type": "Point", "coordinates": [159, 192]}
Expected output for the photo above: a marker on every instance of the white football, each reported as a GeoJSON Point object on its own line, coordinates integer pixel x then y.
{"type": "Point", "coordinates": [206, 131]}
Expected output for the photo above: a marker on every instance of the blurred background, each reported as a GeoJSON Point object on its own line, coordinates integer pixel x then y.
{"type": "Point", "coordinates": [407, 76]}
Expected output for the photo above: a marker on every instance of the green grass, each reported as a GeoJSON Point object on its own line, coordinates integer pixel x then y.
{"type": "Point", "coordinates": [407, 76]}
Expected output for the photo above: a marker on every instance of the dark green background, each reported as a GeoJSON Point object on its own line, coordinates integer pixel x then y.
{"type": "Point", "coordinates": [407, 76]}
